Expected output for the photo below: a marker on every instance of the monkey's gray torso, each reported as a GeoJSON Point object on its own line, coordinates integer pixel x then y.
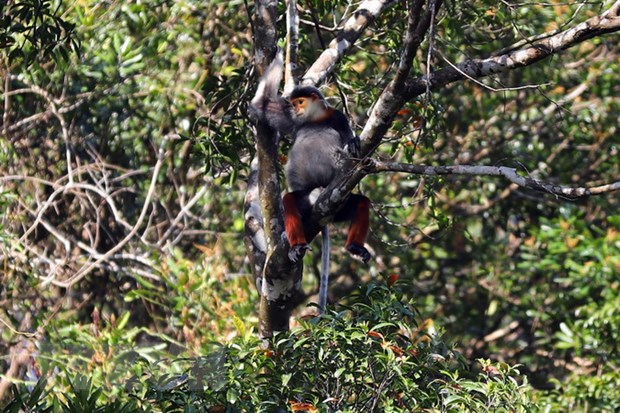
{"type": "Point", "coordinates": [313, 158]}
{"type": "Point", "coordinates": [317, 145]}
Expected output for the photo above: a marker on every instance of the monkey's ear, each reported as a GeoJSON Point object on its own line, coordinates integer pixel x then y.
{"type": "Point", "coordinates": [314, 96]}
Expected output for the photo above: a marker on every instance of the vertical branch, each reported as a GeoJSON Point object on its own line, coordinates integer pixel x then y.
{"type": "Point", "coordinates": [263, 172]}
{"type": "Point", "coordinates": [7, 106]}
{"type": "Point", "coordinates": [411, 42]}
{"type": "Point", "coordinates": [292, 46]}
{"type": "Point", "coordinates": [254, 239]}
{"type": "Point", "coordinates": [265, 16]}
{"type": "Point", "coordinates": [277, 279]}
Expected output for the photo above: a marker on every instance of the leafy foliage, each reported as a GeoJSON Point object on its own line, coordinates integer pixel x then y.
{"type": "Point", "coordinates": [35, 30]}
{"type": "Point", "coordinates": [374, 354]}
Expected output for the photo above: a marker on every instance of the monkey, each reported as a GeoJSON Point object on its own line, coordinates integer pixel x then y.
{"type": "Point", "coordinates": [321, 136]}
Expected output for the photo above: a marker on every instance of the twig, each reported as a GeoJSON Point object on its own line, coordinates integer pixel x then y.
{"type": "Point", "coordinates": [87, 269]}
{"type": "Point", "coordinates": [181, 215]}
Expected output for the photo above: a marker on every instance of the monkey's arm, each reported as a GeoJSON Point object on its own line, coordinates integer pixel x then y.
{"type": "Point", "coordinates": [349, 141]}
{"type": "Point", "coordinates": [275, 111]}
{"type": "Point", "coordinates": [267, 106]}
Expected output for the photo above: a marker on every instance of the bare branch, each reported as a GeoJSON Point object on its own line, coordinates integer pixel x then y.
{"type": "Point", "coordinates": [53, 108]}
{"type": "Point", "coordinates": [255, 241]}
{"type": "Point", "coordinates": [480, 83]}
{"type": "Point", "coordinates": [412, 41]}
{"type": "Point", "coordinates": [7, 104]}
{"type": "Point", "coordinates": [292, 38]}
{"type": "Point", "coordinates": [365, 14]}
{"type": "Point", "coordinates": [509, 173]}
{"type": "Point", "coordinates": [181, 215]}
{"type": "Point", "coordinates": [264, 25]}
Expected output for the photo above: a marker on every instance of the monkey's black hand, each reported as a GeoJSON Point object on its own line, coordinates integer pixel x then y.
{"type": "Point", "coordinates": [298, 251]}
{"type": "Point", "coordinates": [353, 146]}
{"type": "Point", "coordinates": [359, 251]}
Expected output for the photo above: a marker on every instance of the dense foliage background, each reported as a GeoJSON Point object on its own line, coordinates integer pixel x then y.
{"type": "Point", "coordinates": [124, 150]}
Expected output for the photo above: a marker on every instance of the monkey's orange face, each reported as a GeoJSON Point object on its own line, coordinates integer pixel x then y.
{"type": "Point", "coordinates": [308, 108]}
{"type": "Point", "coordinates": [300, 105]}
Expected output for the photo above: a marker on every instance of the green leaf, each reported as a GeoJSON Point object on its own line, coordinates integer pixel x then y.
{"type": "Point", "coordinates": [232, 395]}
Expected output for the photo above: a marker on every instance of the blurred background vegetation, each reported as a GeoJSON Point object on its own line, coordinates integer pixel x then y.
{"type": "Point", "coordinates": [124, 148]}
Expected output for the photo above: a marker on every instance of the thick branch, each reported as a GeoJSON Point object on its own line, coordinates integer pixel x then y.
{"type": "Point", "coordinates": [277, 280]}
{"type": "Point", "coordinates": [388, 104]}
{"type": "Point", "coordinates": [394, 95]}
{"type": "Point", "coordinates": [509, 173]}
{"type": "Point", "coordinates": [608, 22]}
{"type": "Point", "coordinates": [365, 14]}
{"type": "Point", "coordinates": [255, 241]}
{"type": "Point", "coordinates": [265, 17]}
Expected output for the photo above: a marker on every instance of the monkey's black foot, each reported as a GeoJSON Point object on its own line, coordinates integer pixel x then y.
{"type": "Point", "coordinates": [298, 251]}
{"type": "Point", "coordinates": [359, 251]}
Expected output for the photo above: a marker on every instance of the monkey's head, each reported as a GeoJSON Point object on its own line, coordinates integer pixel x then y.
{"type": "Point", "coordinates": [308, 103]}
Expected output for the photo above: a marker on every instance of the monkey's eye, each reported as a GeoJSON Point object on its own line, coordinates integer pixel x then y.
{"type": "Point", "coordinates": [298, 103]}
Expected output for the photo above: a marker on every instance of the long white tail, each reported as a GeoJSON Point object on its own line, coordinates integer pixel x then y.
{"type": "Point", "coordinates": [270, 82]}
{"type": "Point", "coordinates": [324, 269]}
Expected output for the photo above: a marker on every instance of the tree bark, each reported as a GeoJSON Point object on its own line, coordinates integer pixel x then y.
{"type": "Point", "coordinates": [277, 279]}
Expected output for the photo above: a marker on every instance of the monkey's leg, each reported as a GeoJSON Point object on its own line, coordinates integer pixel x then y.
{"type": "Point", "coordinates": [293, 225]}
{"type": "Point", "coordinates": [356, 210]}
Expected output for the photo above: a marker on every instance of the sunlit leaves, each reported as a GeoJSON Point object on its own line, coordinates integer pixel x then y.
{"type": "Point", "coordinates": [35, 30]}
